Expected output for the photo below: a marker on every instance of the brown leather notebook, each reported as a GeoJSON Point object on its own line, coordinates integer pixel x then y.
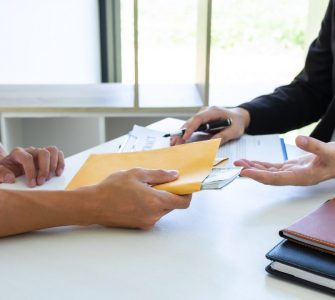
{"type": "Point", "coordinates": [316, 230]}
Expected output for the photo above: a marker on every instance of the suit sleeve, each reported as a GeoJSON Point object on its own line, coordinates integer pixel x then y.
{"type": "Point", "coordinates": [306, 98]}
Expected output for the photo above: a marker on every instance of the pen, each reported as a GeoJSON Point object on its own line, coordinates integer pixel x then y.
{"type": "Point", "coordinates": [207, 127]}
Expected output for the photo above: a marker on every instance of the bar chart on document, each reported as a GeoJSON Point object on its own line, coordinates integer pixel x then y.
{"type": "Point", "coordinates": [142, 138]}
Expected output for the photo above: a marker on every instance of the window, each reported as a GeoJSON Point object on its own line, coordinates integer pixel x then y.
{"type": "Point", "coordinates": [256, 46]}
{"type": "Point", "coordinates": [223, 51]}
{"type": "Point", "coordinates": [164, 54]}
{"type": "Point", "coordinates": [54, 41]}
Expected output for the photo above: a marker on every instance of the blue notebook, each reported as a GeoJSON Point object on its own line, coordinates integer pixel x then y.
{"type": "Point", "coordinates": [304, 265]}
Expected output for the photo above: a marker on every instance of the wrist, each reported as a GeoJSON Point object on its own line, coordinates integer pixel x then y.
{"type": "Point", "coordinates": [244, 115]}
{"type": "Point", "coordinates": [84, 206]}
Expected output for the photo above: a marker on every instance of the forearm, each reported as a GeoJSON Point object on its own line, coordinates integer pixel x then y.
{"type": "Point", "coordinates": [24, 211]}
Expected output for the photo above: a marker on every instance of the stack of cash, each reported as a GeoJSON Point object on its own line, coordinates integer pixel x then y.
{"type": "Point", "coordinates": [220, 177]}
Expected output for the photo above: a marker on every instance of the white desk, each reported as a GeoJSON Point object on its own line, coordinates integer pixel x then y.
{"type": "Point", "coordinates": [213, 250]}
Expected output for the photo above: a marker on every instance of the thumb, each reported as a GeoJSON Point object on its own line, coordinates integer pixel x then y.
{"type": "Point", "coordinates": [312, 145]}
{"type": "Point", "coordinates": [154, 177]}
{"type": "Point", "coordinates": [6, 175]}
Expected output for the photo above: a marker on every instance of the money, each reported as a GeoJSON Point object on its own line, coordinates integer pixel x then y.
{"type": "Point", "coordinates": [220, 177]}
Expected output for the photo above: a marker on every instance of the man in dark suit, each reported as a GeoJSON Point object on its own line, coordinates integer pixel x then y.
{"type": "Point", "coordinates": [310, 97]}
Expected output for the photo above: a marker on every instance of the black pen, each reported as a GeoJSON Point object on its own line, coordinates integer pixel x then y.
{"type": "Point", "coordinates": [207, 127]}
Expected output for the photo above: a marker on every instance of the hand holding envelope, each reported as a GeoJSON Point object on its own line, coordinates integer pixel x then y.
{"type": "Point", "coordinates": [194, 162]}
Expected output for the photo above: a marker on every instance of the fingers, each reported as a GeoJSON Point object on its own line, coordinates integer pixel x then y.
{"type": "Point", "coordinates": [258, 164]}
{"type": "Point", "coordinates": [226, 135]}
{"type": "Point", "coordinates": [56, 161]}
{"type": "Point", "coordinates": [26, 160]}
{"type": "Point", "coordinates": [141, 205]}
{"type": "Point", "coordinates": [205, 115]}
{"type": "Point", "coordinates": [272, 178]}
{"type": "Point", "coordinates": [176, 140]}
{"type": "Point", "coordinates": [61, 163]}
{"type": "Point", "coordinates": [41, 158]}
{"type": "Point", "coordinates": [242, 163]}
{"type": "Point", "coordinates": [192, 125]}
{"type": "Point", "coordinates": [50, 162]}
{"type": "Point", "coordinates": [312, 145]}
{"type": "Point", "coordinates": [153, 177]}
{"type": "Point", "coordinates": [170, 201]}
{"type": "Point", "coordinates": [165, 202]}
{"type": "Point", "coordinates": [6, 175]}
{"type": "Point", "coordinates": [43, 170]}
{"type": "Point", "coordinates": [37, 164]}
{"type": "Point", "coordinates": [240, 121]}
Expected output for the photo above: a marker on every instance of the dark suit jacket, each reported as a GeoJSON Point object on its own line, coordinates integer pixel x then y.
{"type": "Point", "coordinates": [309, 98]}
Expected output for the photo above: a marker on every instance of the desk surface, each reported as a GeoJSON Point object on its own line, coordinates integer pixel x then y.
{"type": "Point", "coordinates": [213, 250]}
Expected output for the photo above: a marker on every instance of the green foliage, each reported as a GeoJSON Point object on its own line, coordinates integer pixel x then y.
{"type": "Point", "coordinates": [263, 24]}
{"type": "Point", "coordinates": [269, 25]}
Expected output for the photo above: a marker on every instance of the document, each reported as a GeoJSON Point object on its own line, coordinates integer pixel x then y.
{"type": "Point", "coordinates": [254, 147]}
{"type": "Point", "coordinates": [142, 138]}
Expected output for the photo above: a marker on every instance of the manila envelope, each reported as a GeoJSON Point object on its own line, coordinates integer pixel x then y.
{"type": "Point", "coordinates": [194, 161]}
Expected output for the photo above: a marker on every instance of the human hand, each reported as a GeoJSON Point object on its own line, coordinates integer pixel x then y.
{"type": "Point", "coordinates": [240, 121]}
{"type": "Point", "coordinates": [126, 199]}
{"type": "Point", "coordinates": [306, 170]}
{"type": "Point", "coordinates": [37, 164]}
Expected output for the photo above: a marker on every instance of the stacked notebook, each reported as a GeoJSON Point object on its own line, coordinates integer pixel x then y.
{"type": "Point", "coordinates": [307, 254]}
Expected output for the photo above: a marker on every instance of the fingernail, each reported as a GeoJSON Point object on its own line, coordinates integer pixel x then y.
{"type": "Point", "coordinates": [174, 173]}
{"type": "Point", "coordinates": [59, 172]}
{"type": "Point", "coordinates": [9, 178]}
{"type": "Point", "coordinates": [40, 180]}
{"type": "Point", "coordinates": [32, 182]}
{"type": "Point", "coordinates": [303, 141]}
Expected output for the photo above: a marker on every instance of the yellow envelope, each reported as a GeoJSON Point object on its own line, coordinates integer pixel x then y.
{"type": "Point", "coordinates": [194, 162]}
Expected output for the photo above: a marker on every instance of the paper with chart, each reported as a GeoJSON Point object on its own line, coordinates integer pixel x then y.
{"type": "Point", "coordinates": [253, 147]}
{"type": "Point", "coordinates": [142, 138]}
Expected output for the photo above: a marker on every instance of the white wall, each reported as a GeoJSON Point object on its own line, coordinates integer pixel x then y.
{"type": "Point", "coordinates": [49, 41]}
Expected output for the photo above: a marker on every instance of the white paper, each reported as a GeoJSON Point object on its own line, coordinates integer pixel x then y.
{"type": "Point", "coordinates": [324, 281]}
{"type": "Point", "coordinates": [142, 138]}
{"type": "Point", "coordinates": [258, 147]}
{"type": "Point", "coordinates": [253, 147]}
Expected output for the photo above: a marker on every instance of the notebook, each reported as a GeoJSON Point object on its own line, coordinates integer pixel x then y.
{"type": "Point", "coordinates": [316, 229]}
{"type": "Point", "coordinates": [304, 265]}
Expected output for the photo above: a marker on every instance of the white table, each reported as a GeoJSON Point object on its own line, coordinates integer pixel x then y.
{"type": "Point", "coordinates": [213, 250]}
